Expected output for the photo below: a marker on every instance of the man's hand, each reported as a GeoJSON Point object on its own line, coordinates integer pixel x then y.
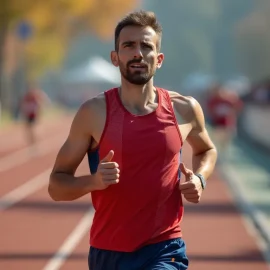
{"type": "Point", "coordinates": [191, 188]}
{"type": "Point", "coordinates": [108, 172]}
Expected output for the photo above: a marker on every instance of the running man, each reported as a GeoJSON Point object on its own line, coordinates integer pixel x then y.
{"type": "Point", "coordinates": [30, 106]}
{"type": "Point", "coordinates": [133, 135]}
{"type": "Point", "coordinates": [224, 107]}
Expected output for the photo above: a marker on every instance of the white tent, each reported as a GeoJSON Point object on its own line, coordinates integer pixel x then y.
{"type": "Point", "coordinates": [95, 70]}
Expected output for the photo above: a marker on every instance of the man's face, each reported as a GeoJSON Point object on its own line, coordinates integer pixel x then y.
{"type": "Point", "coordinates": [137, 55]}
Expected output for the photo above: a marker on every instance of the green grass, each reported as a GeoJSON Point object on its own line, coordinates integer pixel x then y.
{"type": "Point", "coordinates": [5, 119]}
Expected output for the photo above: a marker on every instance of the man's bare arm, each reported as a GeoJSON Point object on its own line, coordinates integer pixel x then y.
{"type": "Point", "coordinates": [204, 151]}
{"type": "Point", "coordinates": [63, 185]}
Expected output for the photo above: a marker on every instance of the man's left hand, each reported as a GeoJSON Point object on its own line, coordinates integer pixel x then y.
{"type": "Point", "coordinates": [192, 187]}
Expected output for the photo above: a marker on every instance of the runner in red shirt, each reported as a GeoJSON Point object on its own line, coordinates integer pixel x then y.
{"type": "Point", "coordinates": [31, 104]}
{"type": "Point", "coordinates": [223, 109]}
{"type": "Point", "coordinates": [133, 135]}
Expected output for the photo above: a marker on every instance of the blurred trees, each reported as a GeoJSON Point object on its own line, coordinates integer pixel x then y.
{"type": "Point", "coordinates": [34, 34]}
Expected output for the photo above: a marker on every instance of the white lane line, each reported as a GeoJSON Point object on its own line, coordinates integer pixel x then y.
{"type": "Point", "coordinates": [25, 190]}
{"type": "Point", "coordinates": [71, 242]}
{"type": "Point", "coordinates": [22, 156]}
{"type": "Point", "coordinates": [253, 231]}
{"type": "Point", "coordinates": [253, 215]}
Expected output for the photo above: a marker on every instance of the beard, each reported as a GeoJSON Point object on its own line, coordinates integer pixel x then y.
{"type": "Point", "coordinates": [136, 77]}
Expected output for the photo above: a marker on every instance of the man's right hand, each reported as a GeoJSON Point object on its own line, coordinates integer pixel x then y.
{"type": "Point", "coordinates": [108, 172]}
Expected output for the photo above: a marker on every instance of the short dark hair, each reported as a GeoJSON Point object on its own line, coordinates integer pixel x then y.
{"type": "Point", "coordinates": [138, 18]}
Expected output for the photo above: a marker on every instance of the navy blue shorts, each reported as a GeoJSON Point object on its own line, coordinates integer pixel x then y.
{"type": "Point", "coordinates": [169, 255]}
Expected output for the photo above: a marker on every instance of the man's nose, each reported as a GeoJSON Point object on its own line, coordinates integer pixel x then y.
{"type": "Point", "coordinates": [138, 52]}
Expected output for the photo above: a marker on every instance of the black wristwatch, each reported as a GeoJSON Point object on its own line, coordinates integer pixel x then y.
{"type": "Point", "coordinates": [203, 182]}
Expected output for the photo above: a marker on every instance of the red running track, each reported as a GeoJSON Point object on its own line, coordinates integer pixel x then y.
{"type": "Point", "coordinates": [39, 234]}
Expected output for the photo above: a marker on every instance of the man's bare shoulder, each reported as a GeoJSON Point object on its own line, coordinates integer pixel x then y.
{"type": "Point", "coordinates": [184, 105]}
{"type": "Point", "coordinates": [93, 105]}
{"type": "Point", "coordinates": [90, 111]}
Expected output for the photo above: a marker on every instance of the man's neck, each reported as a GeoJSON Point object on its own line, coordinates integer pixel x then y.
{"type": "Point", "coordinates": [138, 96]}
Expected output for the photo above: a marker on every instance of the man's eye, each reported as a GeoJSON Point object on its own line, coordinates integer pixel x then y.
{"type": "Point", "coordinates": [147, 46]}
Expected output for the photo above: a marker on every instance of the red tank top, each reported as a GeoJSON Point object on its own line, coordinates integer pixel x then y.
{"type": "Point", "coordinates": [30, 105]}
{"type": "Point", "coordinates": [145, 206]}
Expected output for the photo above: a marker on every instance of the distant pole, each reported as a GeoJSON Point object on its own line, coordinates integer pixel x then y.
{"type": "Point", "coordinates": [23, 31]}
{"type": "Point", "coordinates": [3, 29]}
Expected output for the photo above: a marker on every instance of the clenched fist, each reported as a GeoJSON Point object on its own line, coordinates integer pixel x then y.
{"type": "Point", "coordinates": [192, 187]}
{"type": "Point", "coordinates": [108, 172]}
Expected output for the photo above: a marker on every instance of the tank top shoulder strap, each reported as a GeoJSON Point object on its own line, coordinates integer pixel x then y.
{"type": "Point", "coordinates": [111, 101]}
{"type": "Point", "coordinates": [165, 101]}
{"type": "Point", "coordinates": [166, 109]}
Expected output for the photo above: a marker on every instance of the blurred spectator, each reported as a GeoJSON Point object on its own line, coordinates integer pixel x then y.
{"type": "Point", "coordinates": [259, 93]}
{"type": "Point", "coordinates": [30, 108]}
{"type": "Point", "coordinates": [223, 108]}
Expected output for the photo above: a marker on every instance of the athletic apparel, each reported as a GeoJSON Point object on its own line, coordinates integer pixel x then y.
{"type": "Point", "coordinates": [30, 106]}
{"type": "Point", "coordinates": [223, 110]}
{"type": "Point", "coordinates": [145, 207]}
{"type": "Point", "coordinates": [30, 119]}
{"type": "Point", "coordinates": [169, 254]}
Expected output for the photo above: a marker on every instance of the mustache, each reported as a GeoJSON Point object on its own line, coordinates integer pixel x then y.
{"type": "Point", "coordinates": [135, 61]}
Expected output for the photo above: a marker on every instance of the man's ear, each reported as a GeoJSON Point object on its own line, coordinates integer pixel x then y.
{"type": "Point", "coordinates": [160, 59]}
{"type": "Point", "coordinates": [114, 58]}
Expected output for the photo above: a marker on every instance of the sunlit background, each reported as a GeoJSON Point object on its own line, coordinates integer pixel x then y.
{"type": "Point", "coordinates": [63, 47]}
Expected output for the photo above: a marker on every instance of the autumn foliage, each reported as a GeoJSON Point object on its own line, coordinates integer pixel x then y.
{"type": "Point", "coordinates": [55, 22]}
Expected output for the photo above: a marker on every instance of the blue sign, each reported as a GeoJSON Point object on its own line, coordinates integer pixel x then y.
{"type": "Point", "coordinates": [24, 30]}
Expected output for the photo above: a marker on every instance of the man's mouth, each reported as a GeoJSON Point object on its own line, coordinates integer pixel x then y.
{"type": "Point", "coordinates": [138, 66]}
